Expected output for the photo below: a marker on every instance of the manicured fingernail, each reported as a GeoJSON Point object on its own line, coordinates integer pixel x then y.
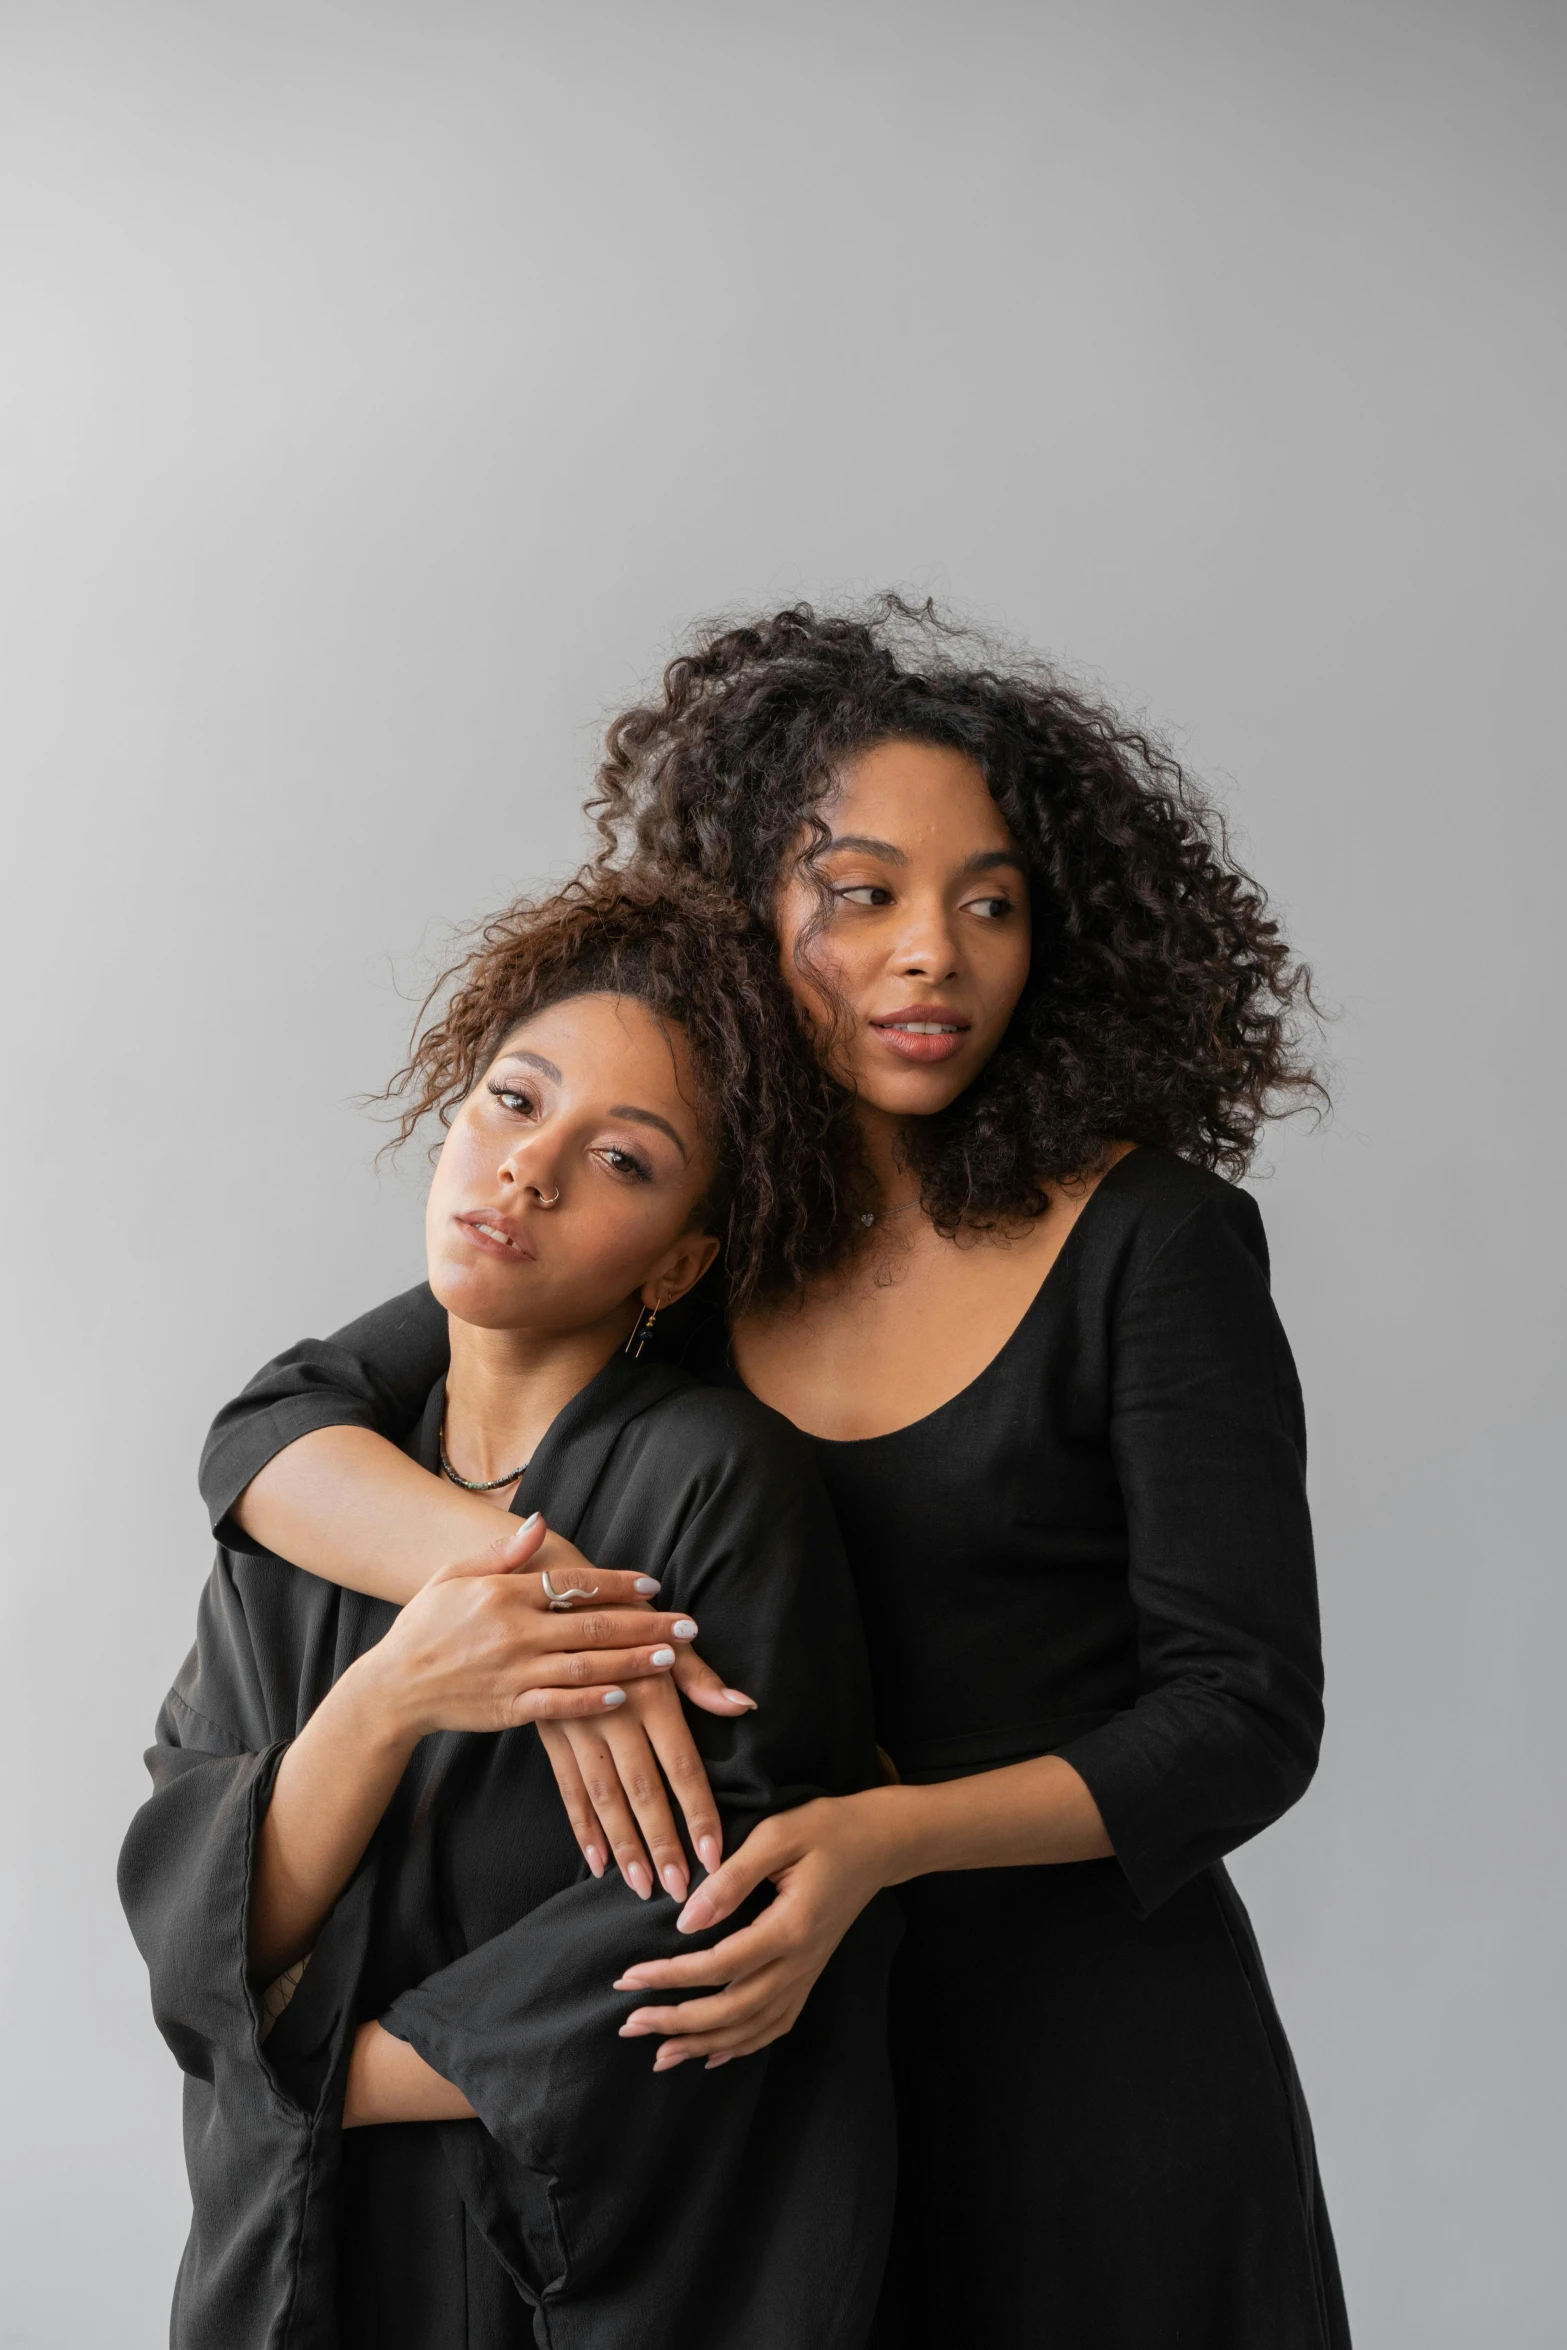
{"type": "Point", "coordinates": [739, 1697]}
{"type": "Point", "coordinates": [698, 1912]}
{"type": "Point", "coordinates": [531, 1519]}
{"type": "Point", "coordinates": [630, 1981]}
{"type": "Point", "coordinates": [662, 1656]}
{"type": "Point", "coordinates": [666, 2062]}
{"type": "Point", "coordinates": [709, 1852]}
{"type": "Point", "coordinates": [594, 1858]}
{"type": "Point", "coordinates": [713, 2063]}
{"type": "Point", "coordinates": [640, 1882]}
{"type": "Point", "coordinates": [682, 1629]}
{"type": "Point", "coordinates": [614, 1697]}
{"type": "Point", "coordinates": [636, 2027]}
{"type": "Point", "coordinates": [646, 1586]}
{"type": "Point", "coordinates": [674, 1881]}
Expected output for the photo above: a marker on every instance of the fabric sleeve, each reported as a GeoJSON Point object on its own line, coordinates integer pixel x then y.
{"type": "Point", "coordinates": [1208, 1438]}
{"type": "Point", "coordinates": [375, 1373]}
{"type": "Point", "coordinates": [526, 2024]}
{"type": "Point", "coordinates": [261, 2126]}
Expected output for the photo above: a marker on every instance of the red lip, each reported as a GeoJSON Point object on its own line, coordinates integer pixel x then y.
{"type": "Point", "coordinates": [513, 1246]}
{"type": "Point", "coordinates": [892, 1028]}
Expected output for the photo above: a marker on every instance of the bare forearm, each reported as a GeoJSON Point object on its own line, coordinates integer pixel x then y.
{"type": "Point", "coordinates": [331, 1789]}
{"type": "Point", "coordinates": [390, 2082]}
{"type": "Point", "coordinates": [1030, 1813]}
{"type": "Point", "coordinates": [345, 1504]}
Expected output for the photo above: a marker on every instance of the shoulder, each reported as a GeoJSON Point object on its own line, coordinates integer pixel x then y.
{"type": "Point", "coordinates": [720, 1426]}
{"type": "Point", "coordinates": [1152, 1203]}
{"type": "Point", "coordinates": [695, 1450]}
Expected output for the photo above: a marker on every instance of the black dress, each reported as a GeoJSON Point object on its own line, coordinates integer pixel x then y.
{"type": "Point", "coordinates": [1100, 1548]}
{"type": "Point", "coordinates": [592, 2206]}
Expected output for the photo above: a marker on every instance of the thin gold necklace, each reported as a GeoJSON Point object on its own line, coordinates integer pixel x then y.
{"type": "Point", "coordinates": [885, 1215]}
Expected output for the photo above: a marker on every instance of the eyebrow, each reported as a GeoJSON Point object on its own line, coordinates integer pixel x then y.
{"type": "Point", "coordinates": [989, 859]}
{"type": "Point", "coordinates": [650, 1118]}
{"type": "Point", "coordinates": [517, 1052]}
{"type": "Point", "coordinates": [864, 841]}
{"type": "Point", "coordinates": [985, 862]}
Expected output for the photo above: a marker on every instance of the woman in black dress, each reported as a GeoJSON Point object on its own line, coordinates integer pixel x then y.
{"type": "Point", "coordinates": [374, 1945]}
{"type": "Point", "coordinates": [1061, 1427]}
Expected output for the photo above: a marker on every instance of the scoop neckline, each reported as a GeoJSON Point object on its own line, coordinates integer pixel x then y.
{"type": "Point", "coordinates": [1014, 1335]}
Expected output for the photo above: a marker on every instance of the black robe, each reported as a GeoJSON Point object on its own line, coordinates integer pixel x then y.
{"type": "Point", "coordinates": [593, 2205]}
{"type": "Point", "coordinates": [1099, 1548]}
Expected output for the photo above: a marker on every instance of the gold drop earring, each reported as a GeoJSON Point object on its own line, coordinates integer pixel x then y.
{"type": "Point", "coordinates": [641, 1331]}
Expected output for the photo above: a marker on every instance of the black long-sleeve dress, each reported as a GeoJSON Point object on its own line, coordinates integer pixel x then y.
{"type": "Point", "coordinates": [1100, 1548]}
{"type": "Point", "coordinates": [592, 2205]}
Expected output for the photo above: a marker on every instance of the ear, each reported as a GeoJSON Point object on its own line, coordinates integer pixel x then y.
{"type": "Point", "coordinates": [679, 1271]}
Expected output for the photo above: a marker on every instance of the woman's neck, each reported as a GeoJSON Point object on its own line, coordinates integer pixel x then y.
{"type": "Point", "coordinates": [505, 1387]}
{"type": "Point", "coordinates": [882, 1139]}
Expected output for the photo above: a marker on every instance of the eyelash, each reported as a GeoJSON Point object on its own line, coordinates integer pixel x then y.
{"type": "Point", "coordinates": [630, 1167]}
{"type": "Point", "coordinates": [634, 1167]}
{"type": "Point", "coordinates": [849, 890]}
{"type": "Point", "coordinates": [507, 1094]}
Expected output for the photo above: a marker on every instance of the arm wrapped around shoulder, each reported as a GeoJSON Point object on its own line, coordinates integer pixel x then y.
{"type": "Point", "coordinates": [375, 1373]}
{"type": "Point", "coordinates": [1209, 1441]}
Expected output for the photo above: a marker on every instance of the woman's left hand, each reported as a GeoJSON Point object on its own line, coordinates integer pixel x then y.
{"type": "Point", "coordinates": [826, 1861]}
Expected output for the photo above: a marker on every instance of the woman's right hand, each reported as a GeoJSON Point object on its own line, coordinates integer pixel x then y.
{"type": "Point", "coordinates": [620, 1778]}
{"type": "Point", "coordinates": [480, 1648]}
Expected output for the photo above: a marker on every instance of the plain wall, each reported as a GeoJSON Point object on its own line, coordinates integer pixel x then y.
{"type": "Point", "coordinates": [383, 387]}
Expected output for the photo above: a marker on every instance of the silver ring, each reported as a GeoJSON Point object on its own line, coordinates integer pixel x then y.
{"type": "Point", "coordinates": [562, 1602]}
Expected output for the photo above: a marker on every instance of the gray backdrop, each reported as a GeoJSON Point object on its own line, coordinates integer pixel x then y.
{"type": "Point", "coordinates": [384, 385]}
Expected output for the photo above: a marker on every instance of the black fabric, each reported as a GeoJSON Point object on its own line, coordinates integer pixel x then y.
{"type": "Point", "coordinates": [1100, 1548]}
{"type": "Point", "coordinates": [591, 2206]}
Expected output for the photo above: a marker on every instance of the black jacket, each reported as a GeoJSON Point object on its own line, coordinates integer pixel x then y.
{"type": "Point", "coordinates": [689, 2211]}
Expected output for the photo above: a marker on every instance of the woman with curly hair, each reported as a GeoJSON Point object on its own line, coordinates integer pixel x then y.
{"type": "Point", "coordinates": [1044, 1382]}
{"type": "Point", "coordinates": [374, 1946]}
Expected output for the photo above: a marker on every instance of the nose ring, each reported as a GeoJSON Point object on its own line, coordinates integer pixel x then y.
{"type": "Point", "coordinates": [547, 1203]}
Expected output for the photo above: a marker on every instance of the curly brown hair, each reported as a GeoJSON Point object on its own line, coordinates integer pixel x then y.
{"type": "Point", "coordinates": [1163, 1004]}
{"type": "Point", "coordinates": [780, 1130]}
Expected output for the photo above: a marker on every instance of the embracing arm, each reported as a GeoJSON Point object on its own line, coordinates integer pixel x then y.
{"type": "Point", "coordinates": [305, 1463]}
{"type": "Point", "coordinates": [348, 1505]}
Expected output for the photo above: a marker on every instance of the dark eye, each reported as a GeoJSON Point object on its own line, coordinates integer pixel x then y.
{"type": "Point", "coordinates": [513, 1098]}
{"type": "Point", "coordinates": [625, 1163]}
{"type": "Point", "coordinates": [990, 909]}
{"type": "Point", "coordinates": [866, 893]}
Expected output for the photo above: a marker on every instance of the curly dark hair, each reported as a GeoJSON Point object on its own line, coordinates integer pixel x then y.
{"type": "Point", "coordinates": [780, 1130]}
{"type": "Point", "coordinates": [1163, 1005]}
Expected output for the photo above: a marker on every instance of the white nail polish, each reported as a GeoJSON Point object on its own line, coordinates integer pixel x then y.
{"type": "Point", "coordinates": [531, 1519]}
{"type": "Point", "coordinates": [614, 1697]}
{"type": "Point", "coordinates": [645, 1586]}
{"type": "Point", "coordinates": [662, 1656]}
{"type": "Point", "coordinates": [682, 1628]}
